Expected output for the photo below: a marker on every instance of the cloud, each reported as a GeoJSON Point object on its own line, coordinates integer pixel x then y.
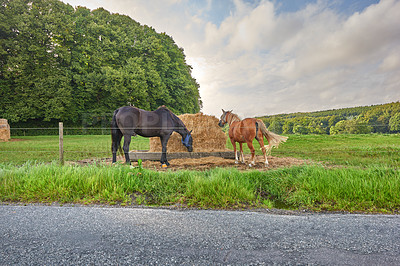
{"type": "Point", "coordinates": [391, 62]}
{"type": "Point", "coordinates": [362, 38]}
{"type": "Point", "coordinates": [260, 59]}
{"type": "Point", "coordinates": [312, 59]}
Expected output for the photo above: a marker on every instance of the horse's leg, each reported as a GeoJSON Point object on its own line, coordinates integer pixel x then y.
{"type": "Point", "coordinates": [253, 152]}
{"type": "Point", "coordinates": [261, 142]}
{"type": "Point", "coordinates": [116, 142]}
{"type": "Point", "coordinates": [235, 151]}
{"type": "Point", "coordinates": [164, 141]}
{"type": "Point", "coordinates": [127, 141]}
{"type": "Point", "coordinates": [241, 151]}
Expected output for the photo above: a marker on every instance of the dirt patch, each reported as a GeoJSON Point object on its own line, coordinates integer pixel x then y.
{"type": "Point", "coordinates": [213, 162]}
{"type": "Point", "coordinates": [208, 163]}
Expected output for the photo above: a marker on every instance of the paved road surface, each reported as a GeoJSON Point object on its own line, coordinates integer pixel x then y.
{"type": "Point", "coordinates": [44, 235]}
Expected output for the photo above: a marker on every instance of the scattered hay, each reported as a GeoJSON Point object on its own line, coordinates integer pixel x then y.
{"type": "Point", "coordinates": [206, 163]}
{"type": "Point", "coordinates": [4, 130]}
{"type": "Point", "coordinates": [207, 135]}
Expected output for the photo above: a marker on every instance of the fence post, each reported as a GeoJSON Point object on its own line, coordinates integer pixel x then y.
{"type": "Point", "coordinates": [61, 142]}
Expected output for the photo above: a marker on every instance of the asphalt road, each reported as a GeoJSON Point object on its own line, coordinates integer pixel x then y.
{"type": "Point", "coordinates": [45, 235]}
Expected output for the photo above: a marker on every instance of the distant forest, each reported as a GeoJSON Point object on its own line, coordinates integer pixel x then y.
{"type": "Point", "coordinates": [59, 63]}
{"type": "Point", "coordinates": [383, 118]}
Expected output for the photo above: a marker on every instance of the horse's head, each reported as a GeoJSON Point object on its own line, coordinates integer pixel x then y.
{"type": "Point", "coordinates": [223, 119]}
{"type": "Point", "coordinates": [187, 141]}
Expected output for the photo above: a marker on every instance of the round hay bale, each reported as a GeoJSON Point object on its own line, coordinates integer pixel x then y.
{"type": "Point", "coordinates": [4, 130]}
{"type": "Point", "coordinates": [207, 135]}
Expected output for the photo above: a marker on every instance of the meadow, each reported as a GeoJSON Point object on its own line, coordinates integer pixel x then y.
{"type": "Point", "coordinates": [356, 173]}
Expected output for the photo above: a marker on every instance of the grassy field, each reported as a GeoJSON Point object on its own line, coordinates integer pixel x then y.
{"type": "Point", "coordinates": [358, 173]}
{"type": "Point", "coordinates": [351, 150]}
{"type": "Point", "coordinates": [46, 148]}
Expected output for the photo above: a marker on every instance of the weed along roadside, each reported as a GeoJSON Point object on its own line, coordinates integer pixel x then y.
{"type": "Point", "coordinates": [311, 187]}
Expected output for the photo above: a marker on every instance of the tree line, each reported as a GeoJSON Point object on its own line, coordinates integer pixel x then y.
{"type": "Point", "coordinates": [383, 118]}
{"type": "Point", "coordinates": [59, 63]}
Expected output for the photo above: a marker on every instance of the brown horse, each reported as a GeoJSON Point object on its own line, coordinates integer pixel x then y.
{"type": "Point", "coordinates": [246, 131]}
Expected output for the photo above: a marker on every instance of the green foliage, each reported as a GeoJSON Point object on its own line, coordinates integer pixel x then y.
{"type": "Point", "coordinates": [358, 120]}
{"type": "Point", "coordinates": [350, 127]}
{"type": "Point", "coordinates": [60, 63]}
{"type": "Point", "coordinates": [394, 123]}
{"type": "Point", "coordinates": [277, 126]}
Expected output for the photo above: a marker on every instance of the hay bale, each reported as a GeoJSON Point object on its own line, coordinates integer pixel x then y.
{"type": "Point", "coordinates": [207, 135]}
{"type": "Point", "coordinates": [4, 130]}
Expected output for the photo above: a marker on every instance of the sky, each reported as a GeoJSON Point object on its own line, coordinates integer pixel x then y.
{"type": "Point", "coordinates": [264, 57]}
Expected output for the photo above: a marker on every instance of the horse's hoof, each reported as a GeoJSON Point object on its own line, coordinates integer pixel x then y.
{"type": "Point", "coordinates": [236, 162]}
{"type": "Point", "coordinates": [164, 165]}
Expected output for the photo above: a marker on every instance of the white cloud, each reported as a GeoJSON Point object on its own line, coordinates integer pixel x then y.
{"type": "Point", "coordinates": [259, 61]}
{"type": "Point", "coordinates": [309, 60]}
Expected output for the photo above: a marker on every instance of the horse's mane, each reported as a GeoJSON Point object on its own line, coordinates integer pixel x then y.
{"type": "Point", "coordinates": [162, 107]}
{"type": "Point", "coordinates": [234, 117]}
{"type": "Point", "coordinates": [174, 117]}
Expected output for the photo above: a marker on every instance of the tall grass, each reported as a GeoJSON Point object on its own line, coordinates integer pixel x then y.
{"type": "Point", "coordinates": [310, 187]}
{"type": "Point", "coordinates": [220, 188]}
{"type": "Point", "coordinates": [351, 189]}
{"type": "Point", "coordinates": [50, 182]}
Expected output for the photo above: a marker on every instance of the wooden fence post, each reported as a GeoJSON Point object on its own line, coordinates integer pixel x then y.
{"type": "Point", "coordinates": [61, 142]}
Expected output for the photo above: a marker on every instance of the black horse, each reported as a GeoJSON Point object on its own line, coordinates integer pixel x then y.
{"type": "Point", "coordinates": [128, 121]}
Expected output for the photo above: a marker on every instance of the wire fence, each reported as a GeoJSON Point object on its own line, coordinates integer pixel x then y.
{"type": "Point", "coordinates": [71, 131]}
{"type": "Point", "coordinates": [62, 143]}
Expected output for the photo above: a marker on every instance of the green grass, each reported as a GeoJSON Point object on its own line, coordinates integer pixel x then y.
{"type": "Point", "coordinates": [348, 150]}
{"type": "Point", "coordinates": [46, 148]}
{"type": "Point", "coordinates": [309, 187]}
{"type": "Point", "coordinates": [358, 173]}
{"type": "Point", "coordinates": [351, 150]}
{"type": "Point", "coordinates": [346, 189]}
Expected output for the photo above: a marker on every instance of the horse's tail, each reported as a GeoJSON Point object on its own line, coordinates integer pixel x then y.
{"type": "Point", "coordinates": [273, 139]}
{"type": "Point", "coordinates": [116, 134]}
